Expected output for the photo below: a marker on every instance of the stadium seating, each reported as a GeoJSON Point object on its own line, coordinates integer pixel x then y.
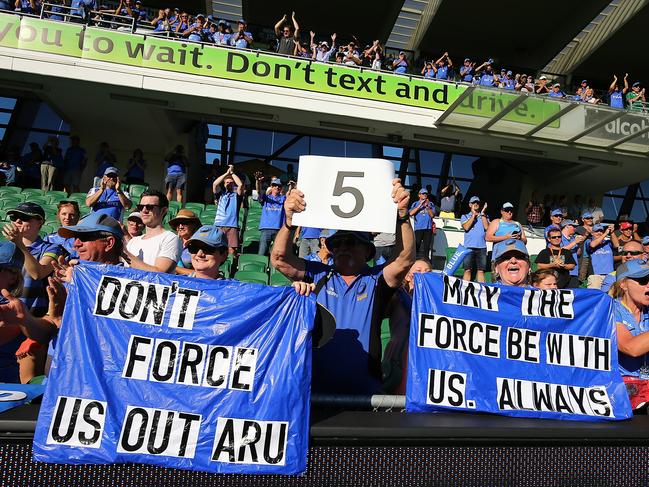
{"type": "Point", "coordinates": [279, 279]}
{"type": "Point", "coordinates": [252, 277]}
{"type": "Point", "coordinates": [135, 191]}
{"type": "Point", "coordinates": [252, 262]}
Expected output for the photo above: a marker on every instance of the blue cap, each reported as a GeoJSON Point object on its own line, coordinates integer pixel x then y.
{"type": "Point", "coordinates": [111, 170]}
{"type": "Point", "coordinates": [423, 191]}
{"type": "Point", "coordinates": [507, 205]}
{"type": "Point", "coordinates": [509, 73]}
{"type": "Point", "coordinates": [584, 81]}
{"type": "Point", "coordinates": [93, 223]}
{"type": "Point", "coordinates": [508, 245]}
{"type": "Point", "coordinates": [362, 237]}
{"type": "Point", "coordinates": [474, 199]}
{"type": "Point", "coordinates": [211, 235]}
{"type": "Point", "coordinates": [635, 268]}
{"type": "Point", "coordinates": [241, 21]}
{"type": "Point", "coordinates": [276, 181]}
{"type": "Point", "coordinates": [587, 214]}
{"type": "Point", "coordinates": [599, 227]}
{"type": "Point", "coordinates": [557, 212]}
{"type": "Point", "coordinates": [327, 233]}
{"type": "Point", "coordinates": [467, 59]}
{"type": "Point", "coordinates": [200, 15]}
{"type": "Point", "coordinates": [645, 240]}
{"type": "Point", "coordinates": [10, 256]}
{"type": "Point", "coordinates": [28, 209]}
{"type": "Point", "coordinates": [565, 223]}
{"type": "Point", "coordinates": [490, 61]}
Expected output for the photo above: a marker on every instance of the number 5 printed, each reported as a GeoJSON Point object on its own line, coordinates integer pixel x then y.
{"type": "Point", "coordinates": [340, 190]}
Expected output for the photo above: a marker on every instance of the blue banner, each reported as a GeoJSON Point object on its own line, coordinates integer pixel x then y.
{"type": "Point", "coordinates": [513, 351]}
{"type": "Point", "coordinates": [14, 395]}
{"type": "Point", "coordinates": [179, 372]}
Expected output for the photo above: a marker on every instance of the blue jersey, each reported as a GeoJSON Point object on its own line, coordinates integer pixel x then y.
{"type": "Point", "coordinates": [474, 237]}
{"type": "Point", "coordinates": [566, 241]}
{"type": "Point", "coordinates": [486, 80]}
{"type": "Point", "coordinates": [108, 203]}
{"type": "Point", "coordinates": [632, 366]}
{"type": "Point", "coordinates": [309, 232]}
{"type": "Point", "coordinates": [66, 243]}
{"type": "Point", "coordinates": [423, 220]}
{"type": "Point", "coordinates": [314, 257]}
{"type": "Point", "coordinates": [227, 209]}
{"type": "Point", "coordinates": [350, 362]}
{"type": "Point", "coordinates": [272, 212]}
{"type": "Point", "coordinates": [35, 293]}
{"type": "Point", "coordinates": [601, 257]}
{"type": "Point", "coordinates": [617, 99]}
{"type": "Point", "coordinates": [442, 72]}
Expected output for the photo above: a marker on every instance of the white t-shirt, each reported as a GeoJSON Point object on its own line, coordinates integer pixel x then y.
{"type": "Point", "coordinates": [166, 244]}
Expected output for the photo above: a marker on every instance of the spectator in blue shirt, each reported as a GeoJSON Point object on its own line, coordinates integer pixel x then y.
{"type": "Point", "coordinates": [228, 192]}
{"type": "Point", "coordinates": [556, 92]}
{"type": "Point", "coordinates": [617, 94]}
{"type": "Point", "coordinates": [423, 212]}
{"type": "Point", "coordinates": [241, 39]}
{"type": "Point", "coordinates": [507, 81]}
{"type": "Point", "coordinates": [467, 71]}
{"type": "Point", "coordinates": [400, 65]}
{"type": "Point", "coordinates": [475, 224]}
{"type": "Point", "coordinates": [443, 67]}
{"type": "Point", "coordinates": [68, 214]}
{"type": "Point", "coordinates": [272, 211]}
{"type": "Point", "coordinates": [109, 198]}
{"type": "Point", "coordinates": [183, 23]}
{"type": "Point", "coordinates": [7, 172]}
{"type": "Point", "coordinates": [139, 10]}
{"type": "Point", "coordinates": [176, 178]}
{"type": "Point", "coordinates": [221, 37]}
{"type": "Point", "coordinates": [486, 73]}
{"type": "Point", "coordinates": [355, 293]}
{"type": "Point", "coordinates": [309, 240]}
{"type": "Point", "coordinates": [27, 6]}
{"type": "Point", "coordinates": [162, 22]}
{"type": "Point", "coordinates": [600, 249]}
{"type": "Point", "coordinates": [321, 51]}
{"type": "Point", "coordinates": [185, 224]}
{"type": "Point", "coordinates": [427, 71]}
{"type": "Point", "coordinates": [74, 162]}
{"type": "Point", "coordinates": [196, 31]}
{"type": "Point", "coordinates": [135, 168]}
{"type": "Point", "coordinates": [82, 8]}
{"type": "Point", "coordinates": [556, 217]}
{"type": "Point", "coordinates": [323, 254]}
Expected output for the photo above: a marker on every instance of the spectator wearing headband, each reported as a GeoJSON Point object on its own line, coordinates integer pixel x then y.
{"type": "Point", "coordinates": [185, 224]}
{"type": "Point", "coordinates": [272, 211]}
{"type": "Point", "coordinates": [423, 212]}
{"type": "Point", "coordinates": [158, 250]}
{"type": "Point", "coordinates": [475, 225]}
{"type": "Point", "coordinates": [109, 198]}
{"type": "Point", "coordinates": [134, 226]}
{"type": "Point", "coordinates": [208, 248]}
{"type": "Point", "coordinates": [355, 293]}
{"type": "Point", "coordinates": [556, 258]}
{"type": "Point", "coordinates": [600, 249]}
{"type": "Point", "coordinates": [68, 214]}
{"type": "Point", "coordinates": [511, 263]}
{"type": "Point", "coordinates": [228, 193]}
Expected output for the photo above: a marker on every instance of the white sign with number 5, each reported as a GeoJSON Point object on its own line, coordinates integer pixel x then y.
{"type": "Point", "coordinates": [346, 194]}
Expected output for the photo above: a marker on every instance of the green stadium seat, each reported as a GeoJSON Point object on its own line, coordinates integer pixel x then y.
{"type": "Point", "coordinates": [8, 202]}
{"type": "Point", "coordinates": [260, 259]}
{"type": "Point", "coordinates": [29, 193]}
{"type": "Point", "coordinates": [10, 190]}
{"type": "Point", "coordinates": [252, 235]}
{"type": "Point", "coordinates": [226, 268]}
{"type": "Point", "coordinates": [385, 334]}
{"type": "Point", "coordinates": [175, 205]}
{"type": "Point", "coordinates": [279, 279]}
{"type": "Point", "coordinates": [252, 277]}
{"type": "Point", "coordinates": [56, 196]}
{"type": "Point", "coordinates": [195, 207]}
{"type": "Point", "coordinates": [252, 266]}
{"type": "Point", "coordinates": [136, 190]}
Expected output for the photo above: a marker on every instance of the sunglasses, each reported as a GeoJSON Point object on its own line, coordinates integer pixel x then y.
{"type": "Point", "coordinates": [632, 252]}
{"type": "Point", "coordinates": [643, 281]}
{"type": "Point", "coordinates": [507, 210]}
{"type": "Point", "coordinates": [554, 237]}
{"type": "Point", "coordinates": [475, 203]}
{"type": "Point", "coordinates": [346, 241]}
{"type": "Point", "coordinates": [194, 247]}
{"type": "Point", "coordinates": [141, 207]}
{"type": "Point", "coordinates": [22, 218]}
{"type": "Point", "coordinates": [89, 237]}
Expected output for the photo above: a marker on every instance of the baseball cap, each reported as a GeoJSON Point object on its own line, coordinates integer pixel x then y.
{"type": "Point", "coordinates": [512, 244]}
{"type": "Point", "coordinates": [211, 235]}
{"type": "Point", "coordinates": [10, 256]}
{"type": "Point", "coordinates": [507, 205]}
{"type": "Point", "coordinates": [557, 212]}
{"type": "Point", "coordinates": [635, 268]}
{"type": "Point", "coordinates": [625, 225]}
{"type": "Point", "coordinates": [645, 240]}
{"type": "Point", "coordinates": [587, 214]}
{"type": "Point", "coordinates": [565, 223]}
{"type": "Point", "coordinates": [93, 223]}
{"type": "Point", "coordinates": [543, 77]}
{"type": "Point", "coordinates": [134, 215]}
{"type": "Point", "coordinates": [474, 199]}
{"type": "Point", "coordinates": [184, 215]}
{"type": "Point", "coordinates": [423, 191]}
{"type": "Point", "coordinates": [276, 181]}
{"type": "Point", "coordinates": [584, 81]}
{"type": "Point", "coordinates": [326, 233]}
{"type": "Point", "coordinates": [111, 170]}
{"type": "Point", "coordinates": [599, 227]}
{"type": "Point", "coordinates": [242, 21]}
{"type": "Point", "coordinates": [200, 15]}
{"type": "Point", "coordinates": [28, 209]}
{"type": "Point", "coordinates": [467, 59]}
{"type": "Point", "coordinates": [362, 237]}
{"type": "Point", "coordinates": [510, 72]}
{"type": "Point", "coordinates": [556, 85]}
{"type": "Point", "coordinates": [637, 83]}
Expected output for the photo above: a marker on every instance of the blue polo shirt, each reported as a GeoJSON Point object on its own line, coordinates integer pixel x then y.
{"type": "Point", "coordinates": [343, 364]}
{"type": "Point", "coordinates": [227, 209]}
{"type": "Point", "coordinates": [239, 42]}
{"type": "Point", "coordinates": [35, 293]}
{"type": "Point", "coordinates": [467, 73]}
{"type": "Point", "coordinates": [631, 365]}
{"type": "Point", "coordinates": [566, 241]}
{"type": "Point", "coordinates": [272, 212]}
{"type": "Point", "coordinates": [423, 221]}
{"type": "Point", "coordinates": [617, 99]}
{"type": "Point", "coordinates": [474, 237]}
{"type": "Point", "coordinates": [486, 80]}
{"type": "Point", "coordinates": [66, 243]}
{"type": "Point", "coordinates": [176, 165]}
{"type": "Point", "coordinates": [74, 158]}
{"type": "Point", "coordinates": [310, 232]}
{"type": "Point", "coordinates": [401, 67]}
{"type": "Point", "coordinates": [601, 257]}
{"type": "Point", "coordinates": [314, 257]}
{"type": "Point", "coordinates": [108, 203]}
{"type": "Point", "coordinates": [442, 72]}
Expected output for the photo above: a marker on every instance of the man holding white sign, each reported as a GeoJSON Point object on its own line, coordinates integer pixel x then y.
{"type": "Point", "coordinates": [355, 293]}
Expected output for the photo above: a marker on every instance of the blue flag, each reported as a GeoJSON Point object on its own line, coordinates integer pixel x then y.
{"type": "Point", "coordinates": [456, 260]}
{"type": "Point", "coordinates": [513, 351]}
{"type": "Point", "coordinates": [14, 395]}
{"type": "Point", "coordinates": [179, 372]}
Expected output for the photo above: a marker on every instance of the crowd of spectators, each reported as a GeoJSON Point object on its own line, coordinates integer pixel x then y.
{"type": "Point", "coordinates": [290, 41]}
